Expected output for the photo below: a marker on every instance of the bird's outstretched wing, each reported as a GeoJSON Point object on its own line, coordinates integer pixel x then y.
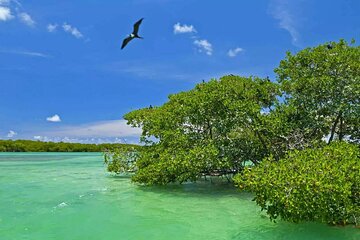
{"type": "Point", "coordinates": [126, 41]}
{"type": "Point", "coordinates": [136, 26]}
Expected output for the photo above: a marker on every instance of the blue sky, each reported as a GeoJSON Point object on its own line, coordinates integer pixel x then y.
{"type": "Point", "coordinates": [64, 78]}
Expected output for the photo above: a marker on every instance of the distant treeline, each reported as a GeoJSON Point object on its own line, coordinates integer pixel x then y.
{"type": "Point", "coordinates": [38, 146]}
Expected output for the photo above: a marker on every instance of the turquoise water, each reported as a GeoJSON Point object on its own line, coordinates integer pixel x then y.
{"type": "Point", "coordinates": [70, 196]}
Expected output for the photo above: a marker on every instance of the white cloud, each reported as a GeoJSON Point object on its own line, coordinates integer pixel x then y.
{"type": "Point", "coordinates": [51, 27]}
{"type": "Point", "coordinates": [93, 140]}
{"type": "Point", "coordinates": [178, 28]}
{"type": "Point", "coordinates": [72, 30]}
{"type": "Point", "coordinates": [204, 46]}
{"type": "Point", "coordinates": [34, 54]}
{"type": "Point", "coordinates": [37, 137]}
{"type": "Point", "coordinates": [6, 8]}
{"type": "Point", "coordinates": [11, 134]}
{"type": "Point", "coordinates": [5, 14]}
{"type": "Point", "coordinates": [26, 19]}
{"type": "Point", "coordinates": [147, 69]}
{"type": "Point", "coordinates": [103, 129]}
{"type": "Point", "coordinates": [115, 128]}
{"type": "Point", "coordinates": [55, 118]}
{"type": "Point", "coordinates": [27, 53]}
{"type": "Point", "coordinates": [234, 52]}
{"type": "Point", "coordinates": [280, 11]}
{"type": "Point", "coordinates": [4, 2]}
{"type": "Point", "coordinates": [7, 2]}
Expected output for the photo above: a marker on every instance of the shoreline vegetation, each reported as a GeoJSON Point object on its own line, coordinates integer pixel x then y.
{"type": "Point", "coordinates": [300, 133]}
{"type": "Point", "coordinates": [39, 146]}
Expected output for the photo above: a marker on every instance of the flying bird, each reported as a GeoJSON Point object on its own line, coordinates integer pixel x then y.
{"type": "Point", "coordinates": [133, 35]}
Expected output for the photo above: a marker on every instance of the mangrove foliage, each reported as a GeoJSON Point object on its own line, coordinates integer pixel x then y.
{"type": "Point", "coordinates": [38, 146]}
{"type": "Point", "coordinates": [293, 142]}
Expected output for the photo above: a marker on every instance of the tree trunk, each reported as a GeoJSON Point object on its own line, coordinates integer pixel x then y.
{"type": "Point", "coordinates": [341, 131]}
{"type": "Point", "coordinates": [333, 128]}
{"type": "Point", "coordinates": [209, 128]}
{"type": "Point", "coordinates": [257, 133]}
{"type": "Point", "coordinates": [261, 140]}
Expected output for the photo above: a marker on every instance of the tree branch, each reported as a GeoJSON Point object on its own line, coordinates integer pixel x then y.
{"type": "Point", "coordinates": [333, 128]}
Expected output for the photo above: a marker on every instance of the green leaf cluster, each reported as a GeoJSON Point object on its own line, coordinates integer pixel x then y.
{"type": "Point", "coordinates": [222, 126]}
{"type": "Point", "coordinates": [322, 89]}
{"type": "Point", "coordinates": [38, 146]}
{"type": "Point", "coordinates": [212, 129]}
{"type": "Point", "coordinates": [320, 184]}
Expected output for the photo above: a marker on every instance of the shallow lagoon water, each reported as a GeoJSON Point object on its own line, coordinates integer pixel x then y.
{"type": "Point", "coordinates": [70, 196]}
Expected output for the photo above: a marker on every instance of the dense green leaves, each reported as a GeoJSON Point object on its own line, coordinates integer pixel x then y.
{"type": "Point", "coordinates": [314, 184]}
{"type": "Point", "coordinates": [221, 126]}
{"type": "Point", "coordinates": [321, 86]}
{"type": "Point", "coordinates": [323, 90]}
{"type": "Point", "coordinates": [38, 146]}
{"type": "Point", "coordinates": [212, 129]}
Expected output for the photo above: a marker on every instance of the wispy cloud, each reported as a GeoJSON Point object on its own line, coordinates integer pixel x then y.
{"type": "Point", "coordinates": [51, 27]}
{"type": "Point", "coordinates": [204, 46]}
{"type": "Point", "coordinates": [92, 140]}
{"type": "Point", "coordinates": [34, 54]}
{"type": "Point", "coordinates": [55, 118]}
{"type": "Point", "coordinates": [72, 30]}
{"type": "Point", "coordinates": [26, 53]}
{"type": "Point", "coordinates": [11, 134]}
{"type": "Point", "coordinates": [7, 2]}
{"type": "Point", "coordinates": [110, 131]}
{"type": "Point", "coordinates": [279, 9]}
{"type": "Point", "coordinates": [103, 129]}
{"type": "Point", "coordinates": [234, 52]}
{"type": "Point", "coordinates": [4, 2]}
{"type": "Point", "coordinates": [9, 6]}
{"type": "Point", "coordinates": [26, 19]}
{"type": "Point", "coordinates": [166, 71]}
{"type": "Point", "coordinates": [178, 28]}
{"type": "Point", "coordinates": [147, 69]}
{"type": "Point", "coordinates": [5, 14]}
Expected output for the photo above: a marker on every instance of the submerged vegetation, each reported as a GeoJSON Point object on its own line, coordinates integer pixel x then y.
{"type": "Point", "coordinates": [299, 135]}
{"type": "Point", "coordinates": [38, 146]}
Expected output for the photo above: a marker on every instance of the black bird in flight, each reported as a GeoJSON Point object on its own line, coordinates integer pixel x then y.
{"type": "Point", "coordinates": [133, 35]}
